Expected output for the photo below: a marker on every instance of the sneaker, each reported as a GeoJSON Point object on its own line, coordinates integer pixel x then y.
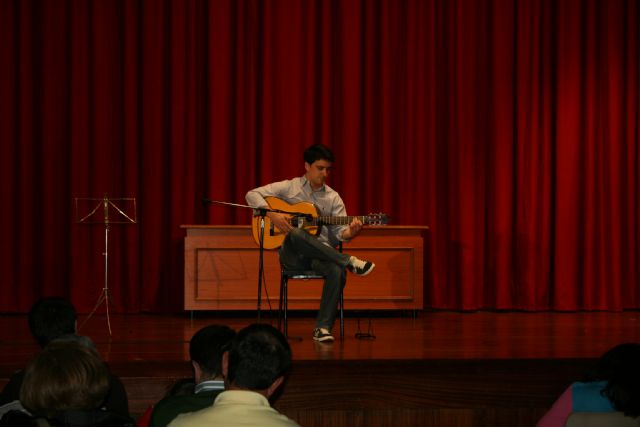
{"type": "Point", "coordinates": [322, 335]}
{"type": "Point", "coordinates": [360, 267]}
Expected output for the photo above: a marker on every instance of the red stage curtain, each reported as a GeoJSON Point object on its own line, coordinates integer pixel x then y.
{"type": "Point", "coordinates": [509, 127]}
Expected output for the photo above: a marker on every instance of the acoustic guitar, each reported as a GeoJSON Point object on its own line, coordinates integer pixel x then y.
{"type": "Point", "coordinates": [303, 215]}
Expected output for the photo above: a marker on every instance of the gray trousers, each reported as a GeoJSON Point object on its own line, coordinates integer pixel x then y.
{"type": "Point", "coordinates": [302, 251]}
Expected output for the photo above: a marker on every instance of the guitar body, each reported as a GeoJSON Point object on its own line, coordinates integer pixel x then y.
{"type": "Point", "coordinates": [273, 237]}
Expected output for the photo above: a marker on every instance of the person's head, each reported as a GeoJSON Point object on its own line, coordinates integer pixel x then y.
{"type": "Point", "coordinates": [258, 359]}
{"type": "Point", "coordinates": [620, 367]}
{"type": "Point", "coordinates": [50, 318]}
{"type": "Point", "coordinates": [64, 376]}
{"type": "Point", "coordinates": [206, 349]}
{"type": "Point", "coordinates": [318, 159]}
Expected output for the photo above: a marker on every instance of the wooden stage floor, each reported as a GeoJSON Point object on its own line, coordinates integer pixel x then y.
{"type": "Point", "coordinates": [428, 335]}
{"type": "Point", "coordinates": [437, 369]}
{"type": "Point", "coordinates": [398, 336]}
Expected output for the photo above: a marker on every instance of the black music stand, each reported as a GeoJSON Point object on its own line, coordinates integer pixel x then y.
{"type": "Point", "coordinates": [88, 211]}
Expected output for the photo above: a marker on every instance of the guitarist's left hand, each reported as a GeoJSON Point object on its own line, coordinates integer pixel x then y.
{"type": "Point", "coordinates": [353, 230]}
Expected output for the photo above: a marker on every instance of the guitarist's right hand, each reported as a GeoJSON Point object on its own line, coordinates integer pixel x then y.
{"type": "Point", "coordinates": [280, 221]}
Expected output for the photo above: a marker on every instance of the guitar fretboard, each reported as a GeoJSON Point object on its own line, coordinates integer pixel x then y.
{"type": "Point", "coordinates": [331, 220]}
{"type": "Point", "coordinates": [337, 220]}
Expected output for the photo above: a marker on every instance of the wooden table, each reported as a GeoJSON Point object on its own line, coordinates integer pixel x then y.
{"type": "Point", "coordinates": [221, 271]}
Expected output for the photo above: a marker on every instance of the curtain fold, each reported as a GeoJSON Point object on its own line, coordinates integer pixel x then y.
{"type": "Point", "coordinates": [509, 127]}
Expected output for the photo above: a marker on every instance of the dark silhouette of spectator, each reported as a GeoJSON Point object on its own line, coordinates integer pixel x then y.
{"type": "Point", "coordinates": [54, 318]}
{"type": "Point", "coordinates": [254, 369]}
{"type": "Point", "coordinates": [613, 385]}
{"type": "Point", "coordinates": [65, 385]}
{"type": "Point", "coordinates": [205, 351]}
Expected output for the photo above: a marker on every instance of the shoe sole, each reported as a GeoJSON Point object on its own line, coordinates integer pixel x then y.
{"type": "Point", "coordinates": [366, 272]}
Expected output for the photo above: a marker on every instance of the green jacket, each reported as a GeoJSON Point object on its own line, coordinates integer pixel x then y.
{"type": "Point", "coordinates": [170, 407]}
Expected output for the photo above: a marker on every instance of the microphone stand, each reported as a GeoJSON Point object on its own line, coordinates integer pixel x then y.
{"type": "Point", "coordinates": [261, 212]}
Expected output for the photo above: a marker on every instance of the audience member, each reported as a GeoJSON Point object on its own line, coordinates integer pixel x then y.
{"type": "Point", "coordinates": [205, 351]}
{"type": "Point", "coordinates": [254, 369]}
{"type": "Point", "coordinates": [65, 385]}
{"type": "Point", "coordinates": [54, 318]}
{"type": "Point", "coordinates": [614, 385]}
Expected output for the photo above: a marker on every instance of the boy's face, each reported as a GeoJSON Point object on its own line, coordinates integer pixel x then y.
{"type": "Point", "coordinates": [317, 172]}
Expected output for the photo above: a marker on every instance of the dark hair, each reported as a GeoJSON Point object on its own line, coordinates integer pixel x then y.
{"type": "Point", "coordinates": [207, 346]}
{"type": "Point", "coordinates": [64, 376]}
{"type": "Point", "coordinates": [259, 355]}
{"type": "Point", "coordinates": [318, 152]}
{"type": "Point", "coordinates": [620, 367]}
{"type": "Point", "coordinates": [50, 318]}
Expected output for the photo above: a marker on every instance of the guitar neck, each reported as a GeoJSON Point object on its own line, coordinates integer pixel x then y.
{"type": "Point", "coordinates": [337, 220]}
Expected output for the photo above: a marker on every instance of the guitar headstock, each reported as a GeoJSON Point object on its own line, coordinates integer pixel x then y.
{"type": "Point", "coordinates": [376, 219]}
